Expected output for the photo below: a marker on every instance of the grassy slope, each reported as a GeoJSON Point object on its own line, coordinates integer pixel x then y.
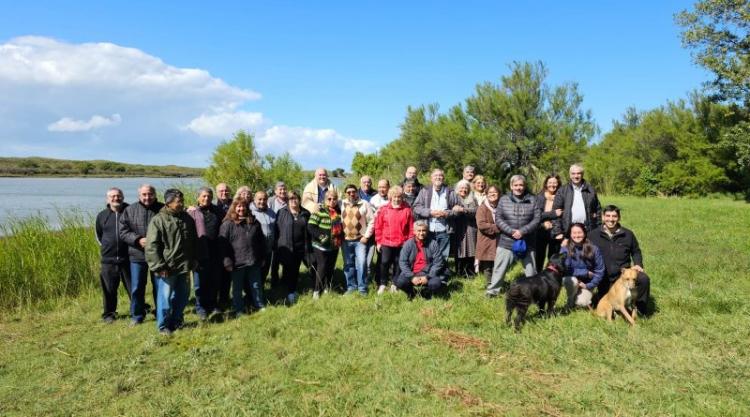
{"type": "Point", "coordinates": [386, 356]}
{"type": "Point", "coordinates": [48, 167]}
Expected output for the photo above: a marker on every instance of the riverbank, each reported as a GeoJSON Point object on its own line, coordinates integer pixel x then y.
{"type": "Point", "coordinates": [49, 167]}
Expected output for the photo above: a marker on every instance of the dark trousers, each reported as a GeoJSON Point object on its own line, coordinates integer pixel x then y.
{"type": "Point", "coordinates": [485, 268]}
{"type": "Point", "coordinates": [224, 283]}
{"type": "Point", "coordinates": [465, 266]}
{"type": "Point", "coordinates": [206, 286]}
{"type": "Point", "coordinates": [546, 246]}
{"type": "Point", "coordinates": [642, 288]}
{"type": "Point", "coordinates": [389, 262]}
{"type": "Point", "coordinates": [290, 262]}
{"type": "Point", "coordinates": [325, 261]}
{"type": "Point", "coordinates": [110, 278]}
{"type": "Point", "coordinates": [404, 284]}
{"type": "Point", "coordinates": [275, 263]}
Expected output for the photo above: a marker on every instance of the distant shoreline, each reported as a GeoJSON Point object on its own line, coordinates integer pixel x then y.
{"type": "Point", "coordinates": [42, 176]}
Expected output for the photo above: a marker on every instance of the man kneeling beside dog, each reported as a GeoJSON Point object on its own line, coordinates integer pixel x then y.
{"type": "Point", "coordinates": [602, 262]}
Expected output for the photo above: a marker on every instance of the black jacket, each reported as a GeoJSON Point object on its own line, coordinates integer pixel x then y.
{"type": "Point", "coordinates": [113, 249]}
{"type": "Point", "coordinates": [285, 230]}
{"type": "Point", "coordinates": [541, 201]}
{"type": "Point", "coordinates": [564, 200]}
{"type": "Point", "coordinates": [619, 251]}
{"type": "Point", "coordinates": [242, 244]}
{"type": "Point", "coordinates": [134, 225]}
{"type": "Point", "coordinates": [517, 213]}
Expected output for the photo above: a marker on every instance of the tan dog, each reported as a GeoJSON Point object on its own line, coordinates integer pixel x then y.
{"type": "Point", "coordinates": [619, 297]}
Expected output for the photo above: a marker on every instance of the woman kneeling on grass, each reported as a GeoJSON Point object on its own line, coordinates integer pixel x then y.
{"type": "Point", "coordinates": [584, 267]}
{"type": "Point", "coordinates": [243, 251]}
{"type": "Point", "coordinates": [327, 235]}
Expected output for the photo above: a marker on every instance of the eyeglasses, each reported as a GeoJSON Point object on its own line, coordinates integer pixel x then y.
{"type": "Point", "coordinates": [330, 199]}
{"type": "Point", "coordinates": [352, 192]}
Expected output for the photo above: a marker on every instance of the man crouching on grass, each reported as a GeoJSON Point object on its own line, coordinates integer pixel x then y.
{"type": "Point", "coordinates": [421, 262]}
{"type": "Point", "coordinates": [171, 253]}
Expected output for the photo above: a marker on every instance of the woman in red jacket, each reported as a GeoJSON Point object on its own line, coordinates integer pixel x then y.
{"type": "Point", "coordinates": [393, 227]}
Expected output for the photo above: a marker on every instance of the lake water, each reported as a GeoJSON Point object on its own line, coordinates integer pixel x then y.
{"type": "Point", "coordinates": [24, 197]}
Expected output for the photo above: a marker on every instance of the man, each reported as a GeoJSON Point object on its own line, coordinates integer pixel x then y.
{"type": "Point", "coordinates": [133, 227]}
{"type": "Point", "coordinates": [171, 253]}
{"type": "Point", "coordinates": [469, 173]}
{"type": "Point", "coordinates": [517, 216]}
{"type": "Point", "coordinates": [366, 191]}
{"type": "Point", "coordinates": [577, 202]}
{"type": "Point", "coordinates": [314, 193]}
{"type": "Point", "coordinates": [409, 192]}
{"type": "Point", "coordinates": [411, 174]}
{"type": "Point", "coordinates": [439, 205]}
{"type": "Point", "coordinates": [358, 218]}
{"type": "Point", "coordinates": [267, 219]}
{"type": "Point", "coordinates": [381, 198]}
{"type": "Point", "coordinates": [421, 263]}
{"type": "Point", "coordinates": [279, 200]}
{"type": "Point", "coordinates": [620, 249]}
{"type": "Point", "coordinates": [207, 276]}
{"type": "Point", "coordinates": [115, 266]}
{"type": "Point", "coordinates": [223, 199]}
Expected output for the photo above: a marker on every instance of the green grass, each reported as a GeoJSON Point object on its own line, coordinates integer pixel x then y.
{"type": "Point", "coordinates": [386, 356]}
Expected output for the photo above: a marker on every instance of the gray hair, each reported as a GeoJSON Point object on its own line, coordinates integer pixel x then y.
{"type": "Point", "coordinates": [516, 178]}
{"type": "Point", "coordinates": [469, 168]}
{"type": "Point", "coordinates": [149, 186]}
{"type": "Point", "coordinates": [172, 194]}
{"type": "Point", "coordinates": [422, 223]}
{"type": "Point", "coordinates": [576, 165]}
{"type": "Point", "coordinates": [119, 191]}
{"type": "Point", "coordinates": [436, 170]}
{"type": "Point", "coordinates": [205, 190]}
{"type": "Point", "coordinates": [462, 183]}
{"type": "Point", "coordinates": [279, 184]}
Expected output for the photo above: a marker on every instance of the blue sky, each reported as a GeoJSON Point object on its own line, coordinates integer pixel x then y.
{"type": "Point", "coordinates": [321, 80]}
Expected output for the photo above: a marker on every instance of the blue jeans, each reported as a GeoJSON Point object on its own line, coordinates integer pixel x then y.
{"type": "Point", "coordinates": [250, 276]}
{"type": "Point", "coordinates": [172, 298]}
{"type": "Point", "coordinates": [138, 277]}
{"type": "Point", "coordinates": [355, 265]}
{"type": "Point", "coordinates": [444, 243]}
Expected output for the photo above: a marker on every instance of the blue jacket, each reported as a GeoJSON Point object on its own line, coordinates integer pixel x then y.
{"type": "Point", "coordinates": [432, 254]}
{"type": "Point", "coordinates": [578, 266]}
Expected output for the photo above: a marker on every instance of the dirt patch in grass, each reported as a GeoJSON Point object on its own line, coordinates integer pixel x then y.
{"type": "Point", "coordinates": [458, 341]}
{"type": "Point", "coordinates": [467, 398]}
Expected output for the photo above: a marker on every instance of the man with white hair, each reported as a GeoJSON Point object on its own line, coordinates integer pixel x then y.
{"type": "Point", "coordinates": [114, 253]}
{"type": "Point", "coordinates": [314, 193]}
{"type": "Point", "coordinates": [577, 202]}
{"type": "Point", "coordinates": [439, 205]}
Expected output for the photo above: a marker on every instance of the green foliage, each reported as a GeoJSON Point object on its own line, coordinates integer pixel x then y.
{"type": "Point", "coordinates": [386, 356]}
{"type": "Point", "coordinates": [717, 32]}
{"type": "Point", "coordinates": [35, 166]}
{"type": "Point", "coordinates": [671, 150]}
{"type": "Point", "coordinates": [237, 162]}
{"type": "Point", "coordinates": [519, 125]}
{"type": "Point", "coordinates": [41, 264]}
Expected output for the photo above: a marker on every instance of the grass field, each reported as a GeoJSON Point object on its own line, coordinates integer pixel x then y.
{"type": "Point", "coordinates": [385, 356]}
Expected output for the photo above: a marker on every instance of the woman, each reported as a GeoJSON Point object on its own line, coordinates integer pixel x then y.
{"type": "Point", "coordinates": [584, 267]}
{"type": "Point", "coordinates": [243, 193]}
{"type": "Point", "coordinates": [479, 189]}
{"type": "Point", "coordinates": [548, 236]}
{"type": "Point", "coordinates": [393, 227]}
{"type": "Point", "coordinates": [488, 232]}
{"type": "Point", "coordinates": [244, 249]}
{"type": "Point", "coordinates": [206, 277]}
{"type": "Point", "coordinates": [465, 230]}
{"type": "Point", "coordinates": [327, 235]}
{"type": "Point", "coordinates": [293, 242]}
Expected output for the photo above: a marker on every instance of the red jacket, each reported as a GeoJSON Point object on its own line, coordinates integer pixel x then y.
{"type": "Point", "coordinates": [394, 226]}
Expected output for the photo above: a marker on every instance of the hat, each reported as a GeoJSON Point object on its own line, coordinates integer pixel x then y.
{"type": "Point", "coordinates": [171, 194]}
{"type": "Point", "coordinates": [519, 248]}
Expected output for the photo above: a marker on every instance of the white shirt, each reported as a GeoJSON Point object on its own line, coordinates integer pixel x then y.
{"type": "Point", "coordinates": [578, 210]}
{"type": "Point", "coordinates": [439, 202]}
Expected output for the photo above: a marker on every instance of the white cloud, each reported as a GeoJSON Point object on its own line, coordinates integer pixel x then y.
{"type": "Point", "coordinates": [67, 124]}
{"type": "Point", "coordinates": [163, 114]}
{"type": "Point", "coordinates": [225, 124]}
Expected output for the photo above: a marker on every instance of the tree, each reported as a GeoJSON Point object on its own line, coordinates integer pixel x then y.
{"type": "Point", "coordinates": [520, 125]}
{"type": "Point", "coordinates": [236, 162]}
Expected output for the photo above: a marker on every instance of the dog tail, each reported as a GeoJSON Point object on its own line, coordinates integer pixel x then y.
{"type": "Point", "coordinates": [515, 297]}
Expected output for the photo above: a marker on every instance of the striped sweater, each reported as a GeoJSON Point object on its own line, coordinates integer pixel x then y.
{"type": "Point", "coordinates": [326, 229]}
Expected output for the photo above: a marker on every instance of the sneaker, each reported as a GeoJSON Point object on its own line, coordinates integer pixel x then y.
{"type": "Point", "coordinates": [394, 288]}
{"type": "Point", "coordinates": [325, 291]}
{"type": "Point", "coordinates": [108, 320]}
{"type": "Point", "coordinates": [202, 316]}
{"type": "Point", "coordinates": [262, 309]}
{"type": "Point", "coordinates": [350, 292]}
{"type": "Point", "coordinates": [134, 323]}
{"type": "Point", "coordinates": [381, 289]}
{"type": "Point", "coordinates": [316, 295]}
{"type": "Point", "coordinates": [291, 298]}
{"type": "Point", "coordinates": [165, 332]}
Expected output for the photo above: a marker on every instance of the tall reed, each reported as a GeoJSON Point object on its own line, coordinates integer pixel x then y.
{"type": "Point", "coordinates": [39, 262]}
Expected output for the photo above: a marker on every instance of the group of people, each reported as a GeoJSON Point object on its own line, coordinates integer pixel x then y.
{"type": "Point", "coordinates": [400, 235]}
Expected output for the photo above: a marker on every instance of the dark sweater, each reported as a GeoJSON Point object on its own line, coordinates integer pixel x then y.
{"type": "Point", "coordinates": [134, 225]}
{"type": "Point", "coordinates": [619, 251]}
{"type": "Point", "coordinates": [292, 234]}
{"type": "Point", "coordinates": [113, 249]}
{"type": "Point", "coordinates": [242, 244]}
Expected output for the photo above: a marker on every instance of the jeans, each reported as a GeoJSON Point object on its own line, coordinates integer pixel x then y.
{"type": "Point", "coordinates": [173, 293]}
{"type": "Point", "coordinates": [355, 265]}
{"type": "Point", "coordinates": [246, 276]}
{"type": "Point", "coordinates": [504, 260]}
{"type": "Point", "coordinates": [444, 243]}
{"type": "Point", "coordinates": [138, 274]}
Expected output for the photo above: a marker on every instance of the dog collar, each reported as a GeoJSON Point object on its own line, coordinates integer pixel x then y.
{"type": "Point", "coordinates": [553, 268]}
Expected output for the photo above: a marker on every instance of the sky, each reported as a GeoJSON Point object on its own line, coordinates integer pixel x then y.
{"type": "Point", "coordinates": [166, 82]}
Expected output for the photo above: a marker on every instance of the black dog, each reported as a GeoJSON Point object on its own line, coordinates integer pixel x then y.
{"type": "Point", "coordinates": [543, 288]}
